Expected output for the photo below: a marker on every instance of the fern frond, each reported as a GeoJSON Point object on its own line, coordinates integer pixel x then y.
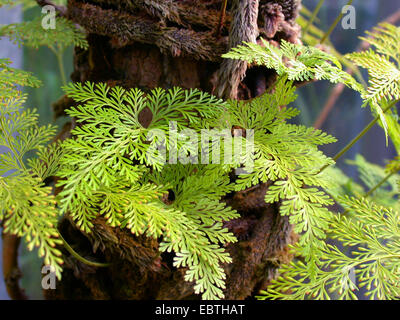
{"type": "Point", "coordinates": [28, 210]}
{"type": "Point", "coordinates": [383, 67]}
{"type": "Point", "coordinates": [371, 174]}
{"type": "Point", "coordinates": [298, 62]}
{"type": "Point", "coordinates": [47, 161]}
{"type": "Point", "coordinates": [266, 55]}
{"type": "Point", "coordinates": [385, 38]}
{"type": "Point", "coordinates": [27, 207]}
{"type": "Point", "coordinates": [394, 165]}
{"type": "Point", "coordinates": [373, 234]}
{"type": "Point", "coordinates": [106, 170]}
{"type": "Point", "coordinates": [10, 78]}
{"type": "Point", "coordinates": [287, 155]}
{"type": "Point", "coordinates": [32, 34]}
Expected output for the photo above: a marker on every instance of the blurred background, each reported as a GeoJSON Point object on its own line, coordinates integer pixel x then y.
{"type": "Point", "coordinates": [345, 120]}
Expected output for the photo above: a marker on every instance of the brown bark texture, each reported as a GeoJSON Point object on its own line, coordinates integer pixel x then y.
{"type": "Point", "coordinates": [155, 43]}
{"type": "Point", "coordinates": [11, 271]}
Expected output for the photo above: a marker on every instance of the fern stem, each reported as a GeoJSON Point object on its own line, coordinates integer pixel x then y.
{"type": "Point", "coordinates": [380, 183]}
{"type": "Point", "coordinates": [59, 55]}
{"type": "Point", "coordinates": [314, 15]}
{"type": "Point", "coordinates": [334, 24]}
{"type": "Point", "coordinates": [6, 137]}
{"type": "Point", "coordinates": [79, 257]}
{"type": "Point", "coordinates": [372, 190]}
{"type": "Point", "coordinates": [61, 67]}
{"type": "Point", "coordinates": [359, 136]}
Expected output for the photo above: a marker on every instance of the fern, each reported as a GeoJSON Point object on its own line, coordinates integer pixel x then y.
{"type": "Point", "coordinates": [383, 65]}
{"type": "Point", "coordinates": [119, 164]}
{"type": "Point", "coordinates": [32, 34]}
{"type": "Point", "coordinates": [373, 234]}
{"type": "Point", "coordinates": [394, 165]}
{"type": "Point", "coordinates": [367, 249]}
{"type": "Point", "coordinates": [27, 207]}
{"type": "Point", "coordinates": [10, 79]}
{"type": "Point", "coordinates": [367, 235]}
{"type": "Point", "coordinates": [198, 190]}
{"type": "Point", "coordinates": [370, 175]}
{"type": "Point", "coordinates": [298, 62]}
{"type": "Point", "coordinates": [322, 268]}
{"type": "Point", "coordinates": [287, 155]}
{"type": "Point", "coordinates": [304, 63]}
{"type": "Point", "coordinates": [107, 172]}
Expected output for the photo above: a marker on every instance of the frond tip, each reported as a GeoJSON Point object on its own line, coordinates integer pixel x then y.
{"type": "Point", "coordinates": [383, 65]}
{"type": "Point", "coordinates": [298, 62]}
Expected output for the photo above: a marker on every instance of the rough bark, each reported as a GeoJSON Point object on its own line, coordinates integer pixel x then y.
{"type": "Point", "coordinates": [148, 44]}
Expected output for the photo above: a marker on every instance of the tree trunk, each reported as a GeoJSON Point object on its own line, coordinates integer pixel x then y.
{"type": "Point", "coordinates": [155, 43]}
